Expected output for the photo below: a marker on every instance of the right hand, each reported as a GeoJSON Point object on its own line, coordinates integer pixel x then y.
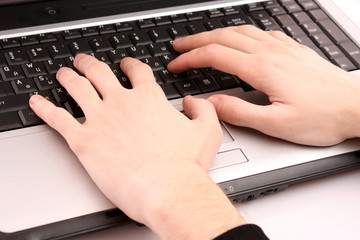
{"type": "Point", "coordinates": [313, 101]}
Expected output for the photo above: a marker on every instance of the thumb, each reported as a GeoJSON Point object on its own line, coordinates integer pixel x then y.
{"type": "Point", "coordinates": [203, 114]}
{"type": "Point", "coordinates": [239, 112]}
{"type": "Point", "coordinates": [199, 110]}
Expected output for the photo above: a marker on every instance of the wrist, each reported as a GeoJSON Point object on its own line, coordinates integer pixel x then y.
{"type": "Point", "coordinates": [196, 208]}
{"type": "Point", "coordinates": [351, 111]}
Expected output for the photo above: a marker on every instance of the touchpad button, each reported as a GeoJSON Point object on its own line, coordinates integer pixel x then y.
{"type": "Point", "coordinates": [228, 158]}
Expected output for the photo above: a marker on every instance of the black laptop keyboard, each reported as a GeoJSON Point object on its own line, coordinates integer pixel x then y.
{"type": "Point", "coordinates": [28, 64]}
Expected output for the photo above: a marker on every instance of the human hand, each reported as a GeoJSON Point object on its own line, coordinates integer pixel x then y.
{"type": "Point", "coordinates": [313, 102]}
{"type": "Point", "coordinates": [149, 159]}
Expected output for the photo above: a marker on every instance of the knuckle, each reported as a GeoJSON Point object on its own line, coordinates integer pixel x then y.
{"type": "Point", "coordinates": [246, 28]}
{"type": "Point", "coordinates": [94, 67]}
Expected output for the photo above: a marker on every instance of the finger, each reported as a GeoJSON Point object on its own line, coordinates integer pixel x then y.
{"type": "Point", "coordinates": [199, 110]}
{"type": "Point", "coordinates": [137, 71]}
{"type": "Point", "coordinates": [283, 37]}
{"type": "Point", "coordinates": [254, 33]}
{"type": "Point", "coordinates": [79, 88]}
{"type": "Point", "coordinates": [226, 37]}
{"type": "Point", "coordinates": [241, 113]}
{"type": "Point", "coordinates": [98, 73]}
{"type": "Point", "coordinates": [203, 113]}
{"type": "Point", "coordinates": [57, 118]}
{"type": "Point", "coordinates": [219, 57]}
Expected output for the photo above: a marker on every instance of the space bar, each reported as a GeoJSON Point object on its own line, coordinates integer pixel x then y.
{"type": "Point", "coordinates": [14, 103]}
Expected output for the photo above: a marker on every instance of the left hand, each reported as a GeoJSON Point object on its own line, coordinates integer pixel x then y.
{"type": "Point", "coordinates": [139, 150]}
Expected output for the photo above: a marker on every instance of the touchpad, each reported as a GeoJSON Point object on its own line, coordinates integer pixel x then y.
{"type": "Point", "coordinates": [228, 158]}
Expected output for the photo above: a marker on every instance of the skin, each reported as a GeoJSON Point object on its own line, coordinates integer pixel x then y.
{"type": "Point", "coordinates": [127, 141]}
{"type": "Point", "coordinates": [308, 106]}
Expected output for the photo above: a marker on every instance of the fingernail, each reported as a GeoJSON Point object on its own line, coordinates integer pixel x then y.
{"type": "Point", "coordinates": [170, 65]}
{"type": "Point", "coordinates": [34, 99]}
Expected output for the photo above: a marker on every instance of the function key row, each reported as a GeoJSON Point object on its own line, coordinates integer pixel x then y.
{"type": "Point", "coordinates": [117, 27]}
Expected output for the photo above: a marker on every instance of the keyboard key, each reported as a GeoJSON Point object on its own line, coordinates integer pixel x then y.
{"type": "Point", "coordinates": [47, 37]}
{"type": "Point", "coordinates": [59, 51]}
{"type": "Point", "coordinates": [139, 38]}
{"type": "Point", "coordinates": [230, 10]}
{"type": "Point", "coordinates": [294, 31]}
{"type": "Point", "coordinates": [28, 117]}
{"type": "Point", "coordinates": [80, 46]}
{"type": "Point", "coordinates": [301, 17]}
{"type": "Point", "coordinates": [177, 32]}
{"type": "Point", "coordinates": [138, 52]}
{"type": "Point", "coordinates": [120, 41]}
{"type": "Point", "coordinates": [117, 55]}
{"type": "Point", "coordinates": [284, 20]}
{"type": "Point", "coordinates": [38, 54]}
{"type": "Point", "coordinates": [46, 82]}
{"type": "Point", "coordinates": [34, 69]}
{"type": "Point", "coordinates": [101, 56]}
{"type": "Point", "coordinates": [251, 7]}
{"type": "Point", "coordinates": [352, 51]}
{"type": "Point", "coordinates": [89, 31]}
{"type": "Point", "coordinates": [71, 34]}
{"type": "Point", "coordinates": [47, 94]}
{"type": "Point", "coordinates": [318, 15]}
{"type": "Point", "coordinates": [170, 91]}
{"type": "Point", "coordinates": [74, 109]}
{"type": "Point", "coordinates": [269, 24]}
{"type": "Point", "coordinates": [308, 5]}
{"type": "Point", "coordinates": [9, 42]}
{"type": "Point", "coordinates": [213, 24]}
{"type": "Point", "coordinates": [106, 29]}
{"type": "Point", "coordinates": [277, 10]}
{"type": "Point", "coordinates": [125, 81]}
{"type": "Point", "coordinates": [9, 121]}
{"type": "Point", "coordinates": [9, 73]}
{"type": "Point", "coordinates": [293, 7]}
{"type": "Point", "coordinates": [226, 81]}
{"type": "Point", "coordinates": [169, 77]}
{"type": "Point", "coordinates": [146, 23]}
{"type": "Point", "coordinates": [24, 85]}
{"type": "Point", "coordinates": [193, 16]}
{"type": "Point", "coordinates": [158, 49]}
{"type": "Point", "coordinates": [311, 28]}
{"type": "Point", "coordinates": [16, 57]}
{"type": "Point", "coordinates": [28, 40]}
{"type": "Point", "coordinates": [3, 61]}
{"type": "Point", "coordinates": [333, 31]}
{"type": "Point", "coordinates": [332, 51]}
{"type": "Point", "coordinates": [154, 62]}
{"type": "Point", "coordinates": [160, 21]}
{"type": "Point", "coordinates": [14, 103]}
{"type": "Point", "coordinates": [195, 28]}
{"type": "Point", "coordinates": [321, 40]}
{"type": "Point", "coordinates": [53, 65]}
{"type": "Point", "coordinates": [100, 44]}
{"type": "Point", "coordinates": [159, 35]}
{"type": "Point", "coordinates": [123, 26]}
{"type": "Point", "coordinates": [178, 18]}
{"type": "Point", "coordinates": [193, 73]}
{"type": "Point", "coordinates": [344, 63]}
{"type": "Point", "coordinates": [166, 59]}
{"type": "Point", "coordinates": [237, 20]}
{"type": "Point", "coordinates": [213, 13]}
{"type": "Point", "coordinates": [60, 94]}
{"type": "Point", "coordinates": [207, 84]}
{"type": "Point", "coordinates": [187, 87]}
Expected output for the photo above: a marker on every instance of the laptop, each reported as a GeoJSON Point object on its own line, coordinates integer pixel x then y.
{"type": "Point", "coordinates": [47, 194]}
